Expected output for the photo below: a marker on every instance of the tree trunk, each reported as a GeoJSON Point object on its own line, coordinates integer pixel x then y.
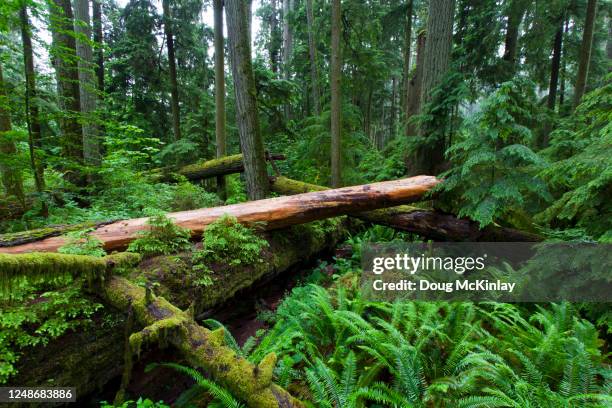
{"type": "Point", "coordinates": [98, 38]}
{"type": "Point", "coordinates": [174, 95]}
{"type": "Point", "coordinates": [515, 16]}
{"type": "Point", "coordinates": [32, 114]}
{"type": "Point", "coordinates": [11, 174]}
{"type": "Point", "coordinates": [63, 53]}
{"type": "Point", "coordinates": [585, 52]}
{"type": "Point", "coordinates": [555, 67]}
{"type": "Point", "coordinates": [312, 52]}
{"type": "Point", "coordinates": [247, 117]}
{"type": "Point", "coordinates": [287, 46]}
{"type": "Point", "coordinates": [436, 62]}
{"type": "Point", "coordinates": [88, 88]}
{"type": "Point", "coordinates": [563, 73]}
{"type": "Point", "coordinates": [393, 122]}
{"type": "Point", "coordinates": [274, 45]}
{"type": "Point", "coordinates": [272, 213]}
{"type": "Point", "coordinates": [413, 96]}
{"type": "Point", "coordinates": [428, 224]}
{"type": "Point", "coordinates": [407, 51]}
{"type": "Point", "coordinates": [219, 93]}
{"type": "Point", "coordinates": [335, 79]}
{"type": "Point", "coordinates": [609, 42]}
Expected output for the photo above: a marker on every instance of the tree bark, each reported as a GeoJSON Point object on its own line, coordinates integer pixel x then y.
{"type": "Point", "coordinates": [585, 52]}
{"type": "Point", "coordinates": [219, 93]}
{"type": "Point", "coordinates": [407, 54]}
{"type": "Point", "coordinates": [32, 114]}
{"type": "Point", "coordinates": [436, 62]}
{"type": "Point", "coordinates": [174, 95]}
{"type": "Point", "coordinates": [288, 6]}
{"type": "Point", "coordinates": [515, 16]}
{"type": "Point", "coordinates": [272, 213]}
{"type": "Point", "coordinates": [63, 53]}
{"type": "Point", "coordinates": [251, 141]}
{"type": "Point", "coordinates": [429, 224]}
{"type": "Point", "coordinates": [335, 79]}
{"type": "Point", "coordinates": [555, 67]}
{"type": "Point", "coordinates": [312, 53]}
{"type": "Point", "coordinates": [413, 102]}
{"type": "Point", "coordinates": [98, 38]}
{"type": "Point", "coordinates": [87, 81]}
{"type": "Point", "coordinates": [274, 45]}
{"type": "Point", "coordinates": [11, 175]}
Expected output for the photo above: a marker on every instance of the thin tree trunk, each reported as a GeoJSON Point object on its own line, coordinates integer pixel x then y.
{"type": "Point", "coordinates": [609, 42]}
{"type": "Point", "coordinates": [274, 45]}
{"type": "Point", "coordinates": [563, 73]}
{"type": "Point", "coordinates": [287, 47]}
{"type": "Point", "coordinates": [555, 67]}
{"type": "Point", "coordinates": [247, 117]}
{"type": "Point", "coordinates": [393, 121]}
{"type": "Point", "coordinates": [219, 92]}
{"type": "Point", "coordinates": [585, 52]}
{"type": "Point", "coordinates": [11, 175]}
{"type": "Point", "coordinates": [515, 16]}
{"type": "Point", "coordinates": [98, 38]}
{"type": "Point", "coordinates": [314, 75]}
{"type": "Point", "coordinates": [32, 114]}
{"type": "Point", "coordinates": [174, 96]}
{"type": "Point", "coordinates": [436, 63]}
{"type": "Point", "coordinates": [415, 83]}
{"type": "Point", "coordinates": [336, 95]}
{"type": "Point", "coordinates": [87, 80]}
{"type": "Point", "coordinates": [64, 55]}
{"type": "Point", "coordinates": [407, 52]}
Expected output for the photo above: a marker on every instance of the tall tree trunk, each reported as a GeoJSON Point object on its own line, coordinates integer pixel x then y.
{"type": "Point", "coordinates": [555, 67]}
{"type": "Point", "coordinates": [515, 16]}
{"type": "Point", "coordinates": [413, 95]}
{"type": "Point", "coordinates": [274, 45]}
{"type": "Point", "coordinates": [98, 38]}
{"type": "Point", "coordinates": [407, 50]}
{"type": "Point", "coordinates": [314, 75]}
{"type": "Point", "coordinates": [287, 46]}
{"type": "Point", "coordinates": [336, 95]}
{"type": "Point", "coordinates": [563, 73]}
{"type": "Point", "coordinates": [88, 89]}
{"type": "Point", "coordinates": [436, 63]}
{"type": "Point", "coordinates": [66, 67]}
{"type": "Point", "coordinates": [11, 175]}
{"type": "Point", "coordinates": [585, 52]}
{"type": "Point", "coordinates": [393, 122]}
{"type": "Point", "coordinates": [219, 92]}
{"type": "Point", "coordinates": [174, 97]}
{"type": "Point", "coordinates": [32, 115]}
{"type": "Point", "coordinates": [609, 42]}
{"type": "Point", "coordinates": [247, 117]}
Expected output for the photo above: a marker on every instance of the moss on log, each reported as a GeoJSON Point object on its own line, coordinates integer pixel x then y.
{"type": "Point", "coordinates": [211, 168]}
{"type": "Point", "coordinates": [23, 237]}
{"type": "Point", "coordinates": [429, 224]}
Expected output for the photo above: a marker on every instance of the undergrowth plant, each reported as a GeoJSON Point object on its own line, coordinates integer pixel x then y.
{"type": "Point", "coordinates": [82, 243]}
{"type": "Point", "coordinates": [162, 238]}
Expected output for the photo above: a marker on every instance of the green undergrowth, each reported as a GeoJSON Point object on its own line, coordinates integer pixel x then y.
{"type": "Point", "coordinates": [162, 238]}
{"type": "Point", "coordinates": [38, 312]}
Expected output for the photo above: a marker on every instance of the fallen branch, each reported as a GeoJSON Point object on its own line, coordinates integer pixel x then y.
{"type": "Point", "coordinates": [426, 223]}
{"type": "Point", "coordinates": [272, 213]}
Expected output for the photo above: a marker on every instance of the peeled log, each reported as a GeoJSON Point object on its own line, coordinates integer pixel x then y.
{"type": "Point", "coordinates": [272, 213]}
{"type": "Point", "coordinates": [426, 223]}
{"type": "Point", "coordinates": [211, 168]}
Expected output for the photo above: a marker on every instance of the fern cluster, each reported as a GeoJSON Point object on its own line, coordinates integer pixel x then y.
{"type": "Point", "coordinates": [162, 238]}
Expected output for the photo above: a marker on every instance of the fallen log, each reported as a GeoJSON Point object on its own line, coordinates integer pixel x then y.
{"type": "Point", "coordinates": [211, 168]}
{"type": "Point", "coordinates": [272, 213]}
{"type": "Point", "coordinates": [429, 224]}
{"type": "Point", "coordinates": [23, 237]}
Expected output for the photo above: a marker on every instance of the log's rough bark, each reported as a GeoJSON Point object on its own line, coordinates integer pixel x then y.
{"type": "Point", "coordinates": [273, 213]}
{"type": "Point", "coordinates": [251, 141]}
{"type": "Point", "coordinates": [426, 223]}
{"type": "Point", "coordinates": [211, 168]}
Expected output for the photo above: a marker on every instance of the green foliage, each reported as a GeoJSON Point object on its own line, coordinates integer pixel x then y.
{"type": "Point", "coordinates": [493, 173]}
{"type": "Point", "coordinates": [139, 403]}
{"type": "Point", "coordinates": [581, 174]}
{"type": "Point", "coordinates": [228, 241]}
{"type": "Point", "coordinates": [162, 238]}
{"type": "Point", "coordinates": [37, 314]}
{"type": "Point", "coordinates": [82, 243]}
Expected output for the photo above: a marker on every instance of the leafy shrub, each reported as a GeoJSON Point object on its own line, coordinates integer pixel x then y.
{"type": "Point", "coordinates": [82, 243]}
{"type": "Point", "coordinates": [162, 238]}
{"type": "Point", "coordinates": [188, 196]}
{"type": "Point", "coordinates": [228, 241]}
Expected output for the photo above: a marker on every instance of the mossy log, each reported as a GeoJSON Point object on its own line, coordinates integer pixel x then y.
{"type": "Point", "coordinates": [201, 347]}
{"type": "Point", "coordinates": [23, 237]}
{"type": "Point", "coordinates": [429, 224]}
{"type": "Point", "coordinates": [211, 168]}
{"type": "Point", "coordinates": [272, 213]}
